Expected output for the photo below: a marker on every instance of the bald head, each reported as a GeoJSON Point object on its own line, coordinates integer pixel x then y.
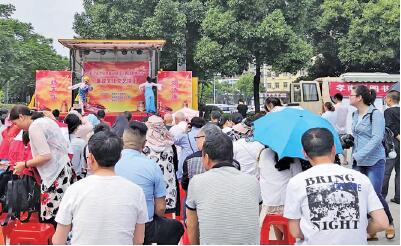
{"type": "Point", "coordinates": [179, 116]}
{"type": "Point", "coordinates": [168, 119]}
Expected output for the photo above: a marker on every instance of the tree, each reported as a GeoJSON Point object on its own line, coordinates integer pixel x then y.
{"type": "Point", "coordinates": [373, 39]}
{"type": "Point", "coordinates": [175, 21]}
{"type": "Point", "coordinates": [23, 52]}
{"type": "Point", "coordinates": [245, 86]}
{"type": "Point", "coordinates": [236, 33]}
{"type": "Point", "coordinates": [354, 35]}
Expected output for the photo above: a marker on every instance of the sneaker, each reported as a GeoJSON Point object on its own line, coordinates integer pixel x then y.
{"type": "Point", "coordinates": [395, 200]}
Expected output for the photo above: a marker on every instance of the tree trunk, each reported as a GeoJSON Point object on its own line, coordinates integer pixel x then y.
{"type": "Point", "coordinates": [256, 83]}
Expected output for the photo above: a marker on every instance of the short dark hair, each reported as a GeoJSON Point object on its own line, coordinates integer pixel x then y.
{"type": "Point", "coordinates": [106, 147]}
{"type": "Point", "coordinates": [339, 96]}
{"type": "Point", "coordinates": [101, 127]}
{"type": "Point", "coordinates": [368, 95]}
{"type": "Point", "coordinates": [236, 118]}
{"type": "Point", "coordinates": [394, 95]}
{"type": "Point", "coordinates": [219, 147]}
{"type": "Point", "coordinates": [197, 122]}
{"type": "Point", "coordinates": [101, 114]}
{"type": "Point", "coordinates": [139, 128]}
{"type": "Point", "coordinates": [215, 115]}
{"type": "Point", "coordinates": [56, 113]}
{"type": "Point", "coordinates": [24, 110]}
{"type": "Point", "coordinates": [317, 142]}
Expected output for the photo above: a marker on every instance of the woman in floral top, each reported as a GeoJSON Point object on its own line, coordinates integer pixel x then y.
{"type": "Point", "coordinates": [50, 157]}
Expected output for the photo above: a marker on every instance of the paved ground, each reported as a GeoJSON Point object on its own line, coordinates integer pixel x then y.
{"type": "Point", "coordinates": [395, 211]}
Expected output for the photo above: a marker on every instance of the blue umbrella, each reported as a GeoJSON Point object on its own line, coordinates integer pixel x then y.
{"type": "Point", "coordinates": [282, 131]}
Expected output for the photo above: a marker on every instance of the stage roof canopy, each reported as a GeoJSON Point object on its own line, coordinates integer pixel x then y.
{"type": "Point", "coordinates": [93, 44]}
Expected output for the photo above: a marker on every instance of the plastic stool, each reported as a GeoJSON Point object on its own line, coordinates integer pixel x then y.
{"type": "Point", "coordinates": [7, 229]}
{"type": "Point", "coordinates": [182, 199]}
{"type": "Point", "coordinates": [32, 233]}
{"type": "Point", "coordinates": [184, 239]}
{"type": "Point", "coordinates": [275, 219]}
{"type": "Point", "coordinates": [34, 217]}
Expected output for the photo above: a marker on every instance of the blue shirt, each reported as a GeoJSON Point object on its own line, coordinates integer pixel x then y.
{"type": "Point", "coordinates": [188, 146]}
{"type": "Point", "coordinates": [368, 147]}
{"type": "Point", "coordinates": [144, 172]}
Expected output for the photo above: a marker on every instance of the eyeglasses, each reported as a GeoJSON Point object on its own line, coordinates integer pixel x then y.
{"type": "Point", "coordinates": [199, 137]}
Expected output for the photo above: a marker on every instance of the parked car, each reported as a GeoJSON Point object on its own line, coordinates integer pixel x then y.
{"type": "Point", "coordinates": [227, 109]}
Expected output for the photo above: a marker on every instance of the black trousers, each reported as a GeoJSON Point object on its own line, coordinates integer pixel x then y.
{"type": "Point", "coordinates": [390, 165]}
{"type": "Point", "coordinates": [163, 231]}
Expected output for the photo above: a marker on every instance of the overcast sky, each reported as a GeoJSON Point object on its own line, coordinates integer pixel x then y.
{"type": "Point", "coordinates": [50, 18]}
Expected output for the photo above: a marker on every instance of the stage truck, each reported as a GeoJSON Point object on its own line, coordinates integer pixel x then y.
{"type": "Point", "coordinates": [312, 95]}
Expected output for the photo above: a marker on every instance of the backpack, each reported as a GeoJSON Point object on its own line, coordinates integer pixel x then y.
{"type": "Point", "coordinates": [6, 176]}
{"type": "Point", "coordinates": [22, 195]}
{"type": "Point", "coordinates": [388, 138]}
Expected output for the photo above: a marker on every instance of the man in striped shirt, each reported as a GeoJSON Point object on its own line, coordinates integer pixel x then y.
{"type": "Point", "coordinates": [222, 203]}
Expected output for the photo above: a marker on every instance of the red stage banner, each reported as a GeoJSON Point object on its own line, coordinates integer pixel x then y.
{"type": "Point", "coordinates": [345, 87]}
{"type": "Point", "coordinates": [176, 91]}
{"type": "Point", "coordinates": [115, 85]}
{"type": "Point", "coordinates": [52, 90]}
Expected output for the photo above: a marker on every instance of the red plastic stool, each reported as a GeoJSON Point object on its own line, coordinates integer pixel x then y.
{"type": "Point", "coordinates": [32, 233]}
{"type": "Point", "coordinates": [34, 217]}
{"type": "Point", "coordinates": [182, 199]}
{"type": "Point", "coordinates": [7, 229]}
{"type": "Point", "coordinates": [184, 239]}
{"type": "Point", "coordinates": [275, 219]}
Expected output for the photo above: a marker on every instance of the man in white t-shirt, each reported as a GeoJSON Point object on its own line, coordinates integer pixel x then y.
{"type": "Point", "coordinates": [102, 208]}
{"type": "Point", "coordinates": [328, 203]}
{"type": "Point", "coordinates": [341, 114]}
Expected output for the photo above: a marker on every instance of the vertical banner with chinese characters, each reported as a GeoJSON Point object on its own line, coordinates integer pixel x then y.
{"type": "Point", "coordinates": [176, 91]}
{"type": "Point", "coordinates": [52, 91]}
{"type": "Point", "coordinates": [115, 85]}
{"type": "Point", "coordinates": [345, 88]}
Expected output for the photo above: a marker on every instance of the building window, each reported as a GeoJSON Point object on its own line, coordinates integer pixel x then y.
{"type": "Point", "coordinates": [285, 84]}
{"type": "Point", "coordinates": [269, 86]}
{"type": "Point", "coordinates": [310, 92]}
{"type": "Point", "coordinates": [277, 85]}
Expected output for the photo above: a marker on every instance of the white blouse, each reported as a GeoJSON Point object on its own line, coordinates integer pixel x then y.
{"type": "Point", "coordinates": [46, 138]}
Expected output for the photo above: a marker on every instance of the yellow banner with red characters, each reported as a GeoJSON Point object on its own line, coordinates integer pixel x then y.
{"type": "Point", "coordinates": [176, 89]}
{"type": "Point", "coordinates": [52, 90]}
{"type": "Point", "coordinates": [115, 85]}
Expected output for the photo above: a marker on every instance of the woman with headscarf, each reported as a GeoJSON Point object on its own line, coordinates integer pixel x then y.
{"type": "Point", "coordinates": [159, 147]}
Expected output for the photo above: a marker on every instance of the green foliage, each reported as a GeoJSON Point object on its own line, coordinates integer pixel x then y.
{"type": "Point", "coordinates": [6, 10]}
{"type": "Point", "coordinates": [355, 35]}
{"type": "Point", "coordinates": [245, 86]}
{"type": "Point", "coordinates": [138, 19]}
{"type": "Point", "coordinates": [373, 39]}
{"type": "Point", "coordinates": [236, 33]}
{"type": "Point", "coordinates": [22, 53]}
